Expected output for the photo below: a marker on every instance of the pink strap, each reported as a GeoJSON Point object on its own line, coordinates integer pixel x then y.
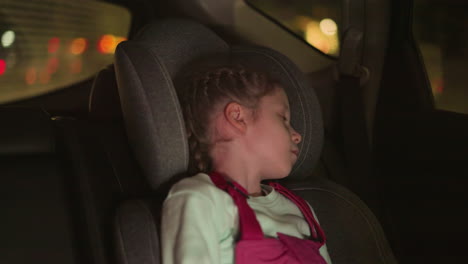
{"type": "Point", "coordinates": [249, 227]}
{"type": "Point", "coordinates": [315, 230]}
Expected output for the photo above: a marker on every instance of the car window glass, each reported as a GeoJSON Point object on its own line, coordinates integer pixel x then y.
{"type": "Point", "coordinates": [317, 22]}
{"type": "Point", "coordinates": [440, 28]}
{"type": "Point", "coordinates": [50, 44]}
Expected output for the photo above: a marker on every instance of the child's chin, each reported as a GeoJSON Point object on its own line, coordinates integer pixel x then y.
{"type": "Point", "coordinates": [277, 172]}
{"type": "Point", "coordinates": [282, 175]}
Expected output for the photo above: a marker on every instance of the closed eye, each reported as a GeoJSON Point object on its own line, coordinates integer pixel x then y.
{"type": "Point", "coordinates": [285, 118]}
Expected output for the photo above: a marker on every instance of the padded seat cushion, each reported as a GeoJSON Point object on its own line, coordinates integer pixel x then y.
{"type": "Point", "coordinates": [354, 234]}
{"type": "Point", "coordinates": [146, 69]}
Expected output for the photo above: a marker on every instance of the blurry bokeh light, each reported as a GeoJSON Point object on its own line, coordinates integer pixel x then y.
{"type": "Point", "coordinates": [8, 37]}
{"type": "Point", "coordinates": [31, 76]}
{"type": "Point", "coordinates": [314, 35]}
{"type": "Point", "coordinates": [328, 26]}
{"type": "Point", "coordinates": [2, 67]}
{"type": "Point", "coordinates": [78, 46]}
{"type": "Point", "coordinates": [76, 65]}
{"type": "Point", "coordinates": [120, 39]}
{"type": "Point", "coordinates": [40, 40]}
{"type": "Point", "coordinates": [44, 76]}
{"type": "Point", "coordinates": [107, 43]}
{"type": "Point", "coordinates": [54, 45]}
{"type": "Point", "coordinates": [52, 65]}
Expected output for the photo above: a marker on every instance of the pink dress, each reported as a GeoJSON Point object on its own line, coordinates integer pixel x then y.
{"type": "Point", "coordinates": [254, 248]}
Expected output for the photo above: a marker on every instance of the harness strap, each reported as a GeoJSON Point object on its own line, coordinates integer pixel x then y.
{"type": "Point", "coordinates": [250, 228]}
{"type": "Point", "coordinates": [316, 231]}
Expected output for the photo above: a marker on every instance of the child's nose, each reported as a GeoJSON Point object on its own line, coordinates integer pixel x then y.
{"type": "Point", "coordinates": [296, 137]}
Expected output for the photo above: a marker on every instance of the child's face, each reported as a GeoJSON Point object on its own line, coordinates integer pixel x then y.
{"type": "Point", "coordinates": [272, 140]}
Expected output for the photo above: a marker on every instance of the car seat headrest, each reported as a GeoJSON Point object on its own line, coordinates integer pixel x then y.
{"type": "Point", "coordinates": [104, 102]}
{"type": "Point", "coordinates": [146, 69]}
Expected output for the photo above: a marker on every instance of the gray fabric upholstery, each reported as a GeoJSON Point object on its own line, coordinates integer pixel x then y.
{"type": "Point", "coordinates": [354, 235]}
{"type": "Point", "coordinates": [145, 69]}
{"type": "Point", "coordinates": [177, 42]}
{"type": "Point", "coordinates": [104, 102]}
{"type": "Point", "coordinates": [155, 127]}
{"type": "Point", "coordinates": [136, 234]}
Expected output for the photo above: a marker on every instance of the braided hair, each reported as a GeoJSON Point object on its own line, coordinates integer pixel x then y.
{"type": "Point", "coordinates": [205, 91]}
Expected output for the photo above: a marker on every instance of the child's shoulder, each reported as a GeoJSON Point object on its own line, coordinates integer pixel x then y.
{"type": "Point", "coordinates": [198, 185]}
{"type": "Point", "coordinates": [199, 181]}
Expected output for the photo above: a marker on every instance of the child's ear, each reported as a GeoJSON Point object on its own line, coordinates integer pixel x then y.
{"type": "Point", "coordinates": [236, 115]}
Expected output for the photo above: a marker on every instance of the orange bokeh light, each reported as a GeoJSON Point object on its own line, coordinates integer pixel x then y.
{"type": "Point", "coordinates": [78, 46]}
{"type": "Point", "coordinates": [120, 39]}
{"type": "Point", "coordinates": [54, 45]}
{"type": "Point", "coordinates": [107, 43]}
{"type": "Point", "coordinates": [76, 66]}
{"type": "Point", "coordinates": [31, 75]}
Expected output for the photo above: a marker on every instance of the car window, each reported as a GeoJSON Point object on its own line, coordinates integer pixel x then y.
{"type": "Point", "coordinates": [439, 28]}
{"type": "Point", "coordinates": [317, 22]}
{"type": "Point", "coordinates": [50, 44]}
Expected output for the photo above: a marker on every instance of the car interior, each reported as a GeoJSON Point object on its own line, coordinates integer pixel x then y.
{"type": "Point", "coordinates": [93, 137]}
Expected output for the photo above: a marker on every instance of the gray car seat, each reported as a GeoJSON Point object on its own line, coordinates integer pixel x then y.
{"type": "Point", "coordinates": [145, 70]}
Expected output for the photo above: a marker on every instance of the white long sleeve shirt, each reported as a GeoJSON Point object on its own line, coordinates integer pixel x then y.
{"type": "Point", "coordinates": [200, 222]}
